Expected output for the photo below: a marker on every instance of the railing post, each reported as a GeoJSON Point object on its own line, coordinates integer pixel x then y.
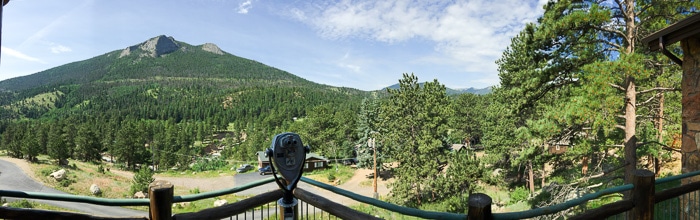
{"type": "Point", "coordinates": [479, 207]}
{"type": "Point", "coordinates": [643, 195]}
{"type": "Point", "coordinates": [160, 192]}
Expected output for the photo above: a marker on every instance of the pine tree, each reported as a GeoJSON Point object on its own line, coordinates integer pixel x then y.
{"type": "Point", "coordinates": [416, 121]}
{"type": "Point", "coordinates": [141, 180]}
{"type": "Point", "coordinates": [368, 128]}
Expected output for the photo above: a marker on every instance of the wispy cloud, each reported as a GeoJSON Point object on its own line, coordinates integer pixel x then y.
{"type": "Point", "coordinates": [57, 48]}
{"type": "Point", "coordinates": [19, 55]}
{"type": "Point", "coordinates": [243, 7]}
{"type": "Point", "coordinates": [471, 34]}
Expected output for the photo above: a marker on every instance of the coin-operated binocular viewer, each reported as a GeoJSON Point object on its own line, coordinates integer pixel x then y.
{"type": "Point", "coordinates": [287, 155]}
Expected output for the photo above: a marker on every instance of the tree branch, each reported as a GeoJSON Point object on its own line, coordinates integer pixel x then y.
{"type": "Point", "coordinates": [663, 146]}
{"type": "Point", "coordinates": [618, 87]}
{"type": "Point", "coordinates": [663, 89]}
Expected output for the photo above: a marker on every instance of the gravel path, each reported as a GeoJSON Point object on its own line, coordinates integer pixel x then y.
{"type": "Point", "coordinates": [13, 177]}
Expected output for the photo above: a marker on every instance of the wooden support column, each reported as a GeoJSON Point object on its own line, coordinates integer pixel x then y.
{"type": "Point", "coordinates": [643, 195]}
{"type": "Point", "coordinates": [160, 192]}
{"type": "Point", "coordinates": [479, 207]}
{"type": "Point", "coordinates": [691, 121]}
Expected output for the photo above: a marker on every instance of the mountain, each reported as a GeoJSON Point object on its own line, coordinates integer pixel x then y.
{"type": "Point", "coordinates": [162, 78]}
{"type": "Point", "coordinates": [160, 56]}
{"type": "Point", "coordinates": [450, 91]}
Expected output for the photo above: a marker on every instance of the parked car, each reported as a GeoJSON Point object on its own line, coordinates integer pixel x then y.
{"type": "Point", "coordinates": [349, 161]}
{"type": "Point", "coordinates": [244, 168]}
{"type": "Point", "coordinates": [266, 170]}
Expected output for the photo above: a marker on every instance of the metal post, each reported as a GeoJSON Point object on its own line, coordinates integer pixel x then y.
{"type": "Point", "coordinates": [2, 5]}
{"type": "Point", "coordinates": [374, 147]}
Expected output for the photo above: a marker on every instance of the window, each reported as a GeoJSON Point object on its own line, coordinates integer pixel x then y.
{"type": "Point", "coordinates": [306, 166]}
{"type": "Point", "coordinates": [318, 164]}
{"type": "Point", "coordinates": [557, 147]}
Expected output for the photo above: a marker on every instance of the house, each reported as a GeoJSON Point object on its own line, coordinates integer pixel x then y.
{"type": "Point", "coordinates": [313, 161]}
{"type": "Point", "coordinates": [458, 147]}
{"type": "Point", "coordinates": [557, 147]}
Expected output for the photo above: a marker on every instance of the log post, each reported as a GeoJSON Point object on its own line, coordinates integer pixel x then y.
{"type": "Point", "coordinates": [479, 207]}
{"type": "Point", "coordinates": [643, 195]}
{"type": "Point", "coordinates": [160, 192]}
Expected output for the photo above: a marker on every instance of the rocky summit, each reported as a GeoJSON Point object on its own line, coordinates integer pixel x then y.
{"type": "Point", "coordinates": [154, 47]}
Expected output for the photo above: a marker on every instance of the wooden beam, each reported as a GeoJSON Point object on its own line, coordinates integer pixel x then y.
{"type": "Point", "coordinates": [680, 30]}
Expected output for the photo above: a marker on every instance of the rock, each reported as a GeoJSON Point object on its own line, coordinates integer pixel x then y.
{"type": "Point", "coordinates": [95, 190]}
{"type": "Point", "coordinates": [181, 204]}
{"type": "Point", "coordinates": [58, 175]}
{"type": "Point", "coordinates": [159, 46]}
{"type": "Point", "coordinates": [139, 195]}
{"type": "Point", "coordinates": [209, 47]}
{"type": "Point", "coordinates": [220, 202]}
{"type": "Point", "coordinates": [497, 172]}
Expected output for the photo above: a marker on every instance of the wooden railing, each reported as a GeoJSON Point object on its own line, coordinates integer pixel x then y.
{"type": "Point", "coordinates": [161, 198]}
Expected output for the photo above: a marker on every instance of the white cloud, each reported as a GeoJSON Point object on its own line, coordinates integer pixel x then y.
{"type": "Point", "coordinates": [472, 34]}
{"type": "Point", "coordinates": [244, 7]}
{"type": "Point", "coordinates": [19, 55]}
{"type": "Point", "coordinates": [354, 68]}
{"type": "Point", "coordinates": [57, 48]}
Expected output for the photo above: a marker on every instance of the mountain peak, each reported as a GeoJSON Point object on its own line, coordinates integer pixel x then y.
{"type": "Point", "coordinates": [209, 47]}
{"type": "Point", "coordinates": [154, 47]}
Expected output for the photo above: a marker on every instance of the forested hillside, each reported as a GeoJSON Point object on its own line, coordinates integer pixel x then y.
{"type": "Point", "coordinates": [161, 92]}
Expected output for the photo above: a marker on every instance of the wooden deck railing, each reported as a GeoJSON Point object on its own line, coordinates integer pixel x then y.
{"type": "Point", "coordinates": [641, 206]}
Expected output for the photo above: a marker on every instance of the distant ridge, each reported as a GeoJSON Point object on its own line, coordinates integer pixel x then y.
{"type": "Point", "coordinates": [451, 91]}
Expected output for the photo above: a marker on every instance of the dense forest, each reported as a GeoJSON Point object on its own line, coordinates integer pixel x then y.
{"type": "Point", "coordinates": [577, 78]}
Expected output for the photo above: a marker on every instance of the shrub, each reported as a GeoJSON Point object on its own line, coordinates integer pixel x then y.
{"type": "Point", "coordinates": [22, 204]}
{"type": "Point", "coordinates": [195, 190]}
{"type": "Point", "coordinates": [101, 169]}
{"type": "Point", "coordinates": [204, 164]}
{"type": "Point", "coordinates": [65, 182]}
{"type": "Point", "coordinates": [519, 194]}
{"type": "Point", "coordinates": [331, 177]}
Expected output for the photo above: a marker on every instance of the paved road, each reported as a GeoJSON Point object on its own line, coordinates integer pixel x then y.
{"type": "Point", "coordinates": [12, 178]}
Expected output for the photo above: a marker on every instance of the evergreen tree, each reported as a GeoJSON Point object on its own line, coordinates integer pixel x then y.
{"type": "Point", "coordinates": [368, 128]}
{"type": "Point", "coordinates": [141, 180]}
{"type": "Point", "coordinates": [416, 121]}
{"type": "Point", "coordinates": [56, 147]}
{"type": "Point", "coordinates": [87, 144]}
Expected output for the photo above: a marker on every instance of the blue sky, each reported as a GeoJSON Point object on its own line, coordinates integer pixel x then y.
{"type": "Point", "coordinates": [363, 44]}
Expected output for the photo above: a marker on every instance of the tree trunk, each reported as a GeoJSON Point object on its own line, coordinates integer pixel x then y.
{"type": "Point", "coordinates": [584, 165]}
{"type": "Point", "coordinates": [531, 179]}
{"type": "Point", "coordinates": [660, 124]}
{"type": "Point", "coordinates": [630, 141]}
{"type": "Point", "coordinates": [630, 133]}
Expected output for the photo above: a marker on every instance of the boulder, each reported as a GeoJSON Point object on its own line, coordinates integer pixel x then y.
{"type": "Point", "coordinates": [95, 190]}
{"type": "Point", "coordinates": [220, 202]}
{"type": "Point", "coordinates": [139, 195]}
{"type": "Point", "coordinates": [58, 175]}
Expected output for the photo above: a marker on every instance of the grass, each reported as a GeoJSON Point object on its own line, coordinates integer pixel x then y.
{"type": "Point", "coordinates": [82, 175]}
{"type": "Point", "coordinates": [23, 203]}
{"type": "Point", "coordinates": [381, 213]}
{"type": "Point", "coordinates": [332, 176]}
